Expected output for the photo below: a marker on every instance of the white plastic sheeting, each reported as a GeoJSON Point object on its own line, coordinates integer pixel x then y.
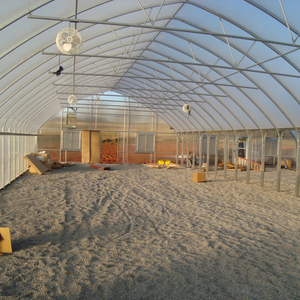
{"type": "Point", "coordinates": [237, 62]}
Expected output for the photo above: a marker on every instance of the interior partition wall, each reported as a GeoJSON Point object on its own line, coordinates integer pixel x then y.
{"type": "Point", "coordinates": [13, 149]}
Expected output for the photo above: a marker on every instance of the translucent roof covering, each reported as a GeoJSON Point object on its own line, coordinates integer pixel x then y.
{"type": "Point", "coordinates": [235, 62]}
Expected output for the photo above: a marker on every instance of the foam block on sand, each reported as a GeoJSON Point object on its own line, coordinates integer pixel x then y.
{"type": "Point", "coordinates": [5, 242]}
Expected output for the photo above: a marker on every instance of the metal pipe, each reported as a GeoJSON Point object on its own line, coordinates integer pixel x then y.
{"type": "Point", "coordinates": [248, 155]}
{"type": "Point", "coordinates": [177, 147]}
{"type": "Point", "coordinates": [194, 156]}
{"type": "Point", "coordinates": [207, 153]}
{"type": "Point", "coordinates": [216, 153]}
{"type": "Point", "coordinates": [279, 144]}
{"type": "Point", "coordinates": [297, 165]}
{"type": "Point", "coordinates": [187, 163]}
{"type": "Point", "coordinates": [201, 83]}
{"type": "Point", "coordinates": [236, 155]}
{"type": "Point", "coordinates": [101, 145]}
{"type": "Point", "coordinates": [200, 151]}
{"type": "Point", "coordinates": [262, 160]}
{"type": "Point", "coordinates": [225, 154]}
{"type": "Point", "coordinates": [182, 144]}
{"type": "Point", "coordinates": [167, 29]}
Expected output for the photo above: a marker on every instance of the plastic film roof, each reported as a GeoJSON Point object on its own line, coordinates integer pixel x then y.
{"type": "Point", "coordinates": [236, 62]}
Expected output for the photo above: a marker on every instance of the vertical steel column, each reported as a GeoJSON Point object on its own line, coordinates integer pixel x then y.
{"type": "Point", "coordinates": [262, 160]}
{"type": "Point", "coordinates": [152, 130]}
{"type": "Point", "coordinates": [236, 155]}
{"type": "Point", "coordinates": [96, 116]}
{"type": "Point", "coordinates": [207, 153]}
{"type": "Point", "coordinates": [216, 153]}
{"type": "Point", "coordinates": [225, 154]}
{"type": "Point", "coordinates": [177, 147]}
{"type": "Point", "coordinates": [128, 129]}
{"type": "Point", "coordinates": [297, 164]}
{"type": "Point", "coordinates": [2, 162]}
{"type": "Point", "coordinates": [187, 164]}
{"type": "Point", "coordinates": [156, 118]}
{"type": "Point", "coordinates": [248, 155]}
{"type": "Point", "coordinates": [193, 167]}
{"type": "Point", "coordinates": [182, 143]}
{"type": "Point", "coordinates": [14, 154]}
{"type": "Point", "coordinates": [60, 141]}
{"type": "Point", "coordinates": [9, 158]}
{"type": "Point", "coordinates": [200, 151]}
{"type": "Point", "coordinates": [279, 143]}
{"type": "Point", "coordinates": [101, 145]}
{"type": "Point", "coordinates": [118, 137]}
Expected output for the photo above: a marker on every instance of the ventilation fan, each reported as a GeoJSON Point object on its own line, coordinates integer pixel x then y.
{"type": "Point", "coordinates": [68, 41]}
{"type": "Point", "coordinates": [187, 108]}
{"type": "Point", "coordinates": [72, 99]}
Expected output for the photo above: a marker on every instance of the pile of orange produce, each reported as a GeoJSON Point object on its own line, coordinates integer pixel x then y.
{"type": "Point", "coordinates": [108, 153]}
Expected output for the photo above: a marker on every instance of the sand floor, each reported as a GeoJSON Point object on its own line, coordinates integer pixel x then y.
{"type": "Point", "coordinates": [141, 233]}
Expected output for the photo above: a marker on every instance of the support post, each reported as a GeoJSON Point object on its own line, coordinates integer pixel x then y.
{"type": "Point", "coordinates": [262, 160]}
{"type": "Point", "coordinates": [61, 128]}
{"type": "Point", "coordinates": [3, 158]}
{"type": "Point", "coordinates": [182, 144]}
{"type": "Point", "coordinates": [279, 143]}
{"type": "Point", "coordinates": [207, 153]}
{"type": "Point", "coordinates": [101, 145]}
{"type": "Point", "coordinates": [225, 154]}
{"type": "Point", "coordinates": [118, 138]}
{"type": "Point", "coordinates": [216, 153]}
{"type": "Point", "coordinates": [297, 165]}
{"type": "Point", "coordinates": [248, 155]}
{"type": "Point", "coordinates": [194, 156]}
{"type": "Point", "coordinates": [177, 147]}
{"type": "Point", "coordinates": [236, 155]}
{"type": "Point", "coordinates": [187, 163]}
{"type": "Point", "coordinates": [200, 151]}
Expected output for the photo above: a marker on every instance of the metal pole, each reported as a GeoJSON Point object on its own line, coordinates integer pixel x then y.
{"type": "Point", "coordinates": [101, 145]}
{"type": "Point", "coordinates": [297, 164]}
{"type": "Point", "coordinates": [60, 141]}
{"type": "Point", "coordinates": [262, 161]}
{"type": "Point", "coordinates": [187, 163]}
{"type": "Point", "coordinates": [9, 158]}
{"type": "Point", "coordinates": [236, 156]}
{"type": "Point", "coordinates": [177, 147]}
{"type": "Point", "coordinates": [182, 143]}
{"type": "Point", "coordinates": [225, 154]}
{"type": "Point", "coordinates": [248, 155]}
{"type": "Point", "coordinates": [3, 159]}
{"type": "Point", "coordinates": [156, 117]}
{"type": "Point", "coordinates": [194, 156]}
{"type": "Point", "coordinates": [200, 151]}
{"type": "Point", "coordinates": [207, 153]}
{"type": "Point", "coordinates": [279, 143]}
{"type": "Point", "coordinates": [118, 136]}
{"type": "Point", "coordinates": [216, 153]}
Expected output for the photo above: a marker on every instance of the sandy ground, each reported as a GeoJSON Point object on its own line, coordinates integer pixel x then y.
{"type": "Point", "coordinates": [141, 233]}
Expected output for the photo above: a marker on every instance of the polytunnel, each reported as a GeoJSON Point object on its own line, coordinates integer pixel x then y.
{"type": "Point", "coordinates": [206, 69]}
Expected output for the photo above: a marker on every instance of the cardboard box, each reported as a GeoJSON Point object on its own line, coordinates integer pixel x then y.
{"type": "Point", "coordinates": [287, 163]}
{"type": "Point", "coordinates": [44, 158]}
{"type": "Point", "coordinates": [36, 165]}
{"type": "Point", "coordinates": [199, 177]}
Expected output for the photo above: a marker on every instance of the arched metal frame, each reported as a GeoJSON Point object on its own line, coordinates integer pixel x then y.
{"type": "Point", "coordinates": [240, 71]}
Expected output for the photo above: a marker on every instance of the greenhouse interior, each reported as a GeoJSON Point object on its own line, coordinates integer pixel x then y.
{"type": "Point", "coordinates": [198, 76]}
{"type": "Point", "coordinates": [150, 149]}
